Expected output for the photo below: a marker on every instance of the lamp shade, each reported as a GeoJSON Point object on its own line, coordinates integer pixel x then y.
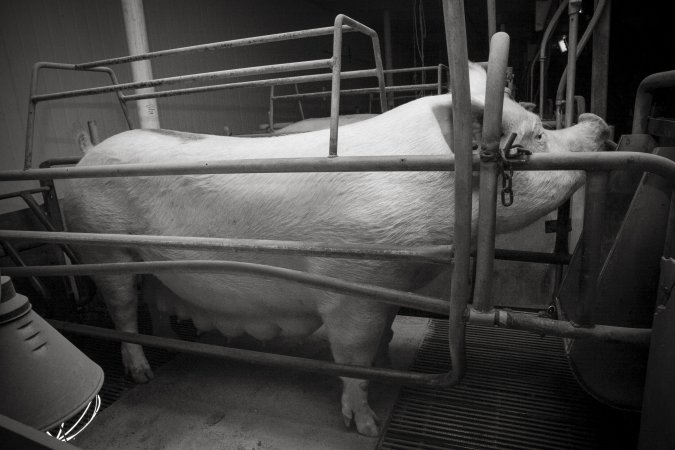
{"type": "Point", "coordinates": [44, 379]}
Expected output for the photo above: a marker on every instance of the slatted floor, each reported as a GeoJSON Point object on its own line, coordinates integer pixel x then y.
{"type": "Point", "coordinates": [518, 393]}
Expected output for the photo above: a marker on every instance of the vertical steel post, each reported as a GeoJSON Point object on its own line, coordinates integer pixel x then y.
{"type": "Point", "coordinates": [270, 113]}
{"type": "Point", "coordinates": [591, 264]}
{"type": "Point", "coordinates": [573, 10]}
{"type": "Point", "coordinates": [300, 109]}
{"type": "Point", "coordinates": [137, 40]}
{"type": "Point", "coordinates": [487, 204]}
{"type": "Point", "coordinates": [388, 63]}
{"type": "Point", "coordinates": [492, 18]}
{"type": "Point", "coordinates": [336, 66]}
{"type": "Point", "coordinates": [460, 290]}
{"type": "Point", "coordinates": [600, 64]}
{"type": "Point", "coordinates": [542, 54]}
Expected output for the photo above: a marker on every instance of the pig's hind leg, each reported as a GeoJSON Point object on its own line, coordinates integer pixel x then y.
{"type": "Point", "coordinates": [354, 330]}
{"type": "Point", "coordinates": [121, 297]}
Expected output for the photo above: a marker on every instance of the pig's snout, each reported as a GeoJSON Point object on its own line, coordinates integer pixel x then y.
{"type": "Point", "coordinates": [594, 130]}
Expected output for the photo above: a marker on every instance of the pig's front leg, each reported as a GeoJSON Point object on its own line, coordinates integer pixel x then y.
{"type": "Point", "coordinates": [354, 330]}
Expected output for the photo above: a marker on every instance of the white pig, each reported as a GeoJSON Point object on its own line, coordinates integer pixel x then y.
{"type": "Point", "coordinates": [396, 208]}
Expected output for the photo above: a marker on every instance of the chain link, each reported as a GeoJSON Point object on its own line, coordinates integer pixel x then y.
{"type": "Point", "coordinates": [510, 151]}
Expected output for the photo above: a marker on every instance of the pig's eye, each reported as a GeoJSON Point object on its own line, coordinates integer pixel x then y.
{"type": "Point", "coordinates": [539, 137]}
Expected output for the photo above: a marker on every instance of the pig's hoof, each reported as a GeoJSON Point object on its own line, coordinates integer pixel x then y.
{"type": "Point", "coordinates": [140, 375]}
{"type": "Point", "coordinates": [366, 422]}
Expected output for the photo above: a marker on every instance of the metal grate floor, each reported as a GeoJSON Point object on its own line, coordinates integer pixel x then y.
{"type": "Point", "coordinates": [518, 393]}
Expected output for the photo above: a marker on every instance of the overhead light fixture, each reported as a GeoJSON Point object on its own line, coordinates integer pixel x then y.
{"type": "Point", "coordinates": [46, 382]}
{"type": "Point", "coordinates": [562, 44]}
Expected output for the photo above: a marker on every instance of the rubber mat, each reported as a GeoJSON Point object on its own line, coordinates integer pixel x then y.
{"type": "Point", "coordinates": [518, 393]}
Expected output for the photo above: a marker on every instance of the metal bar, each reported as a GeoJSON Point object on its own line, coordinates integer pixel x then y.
{"type": "Point", "coordinates": [534, 257]}
{"type": "Point", "coordinates": [331, 284]}
{"type": "Point", "coordinates": [253, 357]}
{"type": "Point", "coordinates": [64, 160]}
{"type": "Point", "coordinates": [542, 54]}
{"type": "Point", "coordinates": [42, 217]}
{"type": "Point", "coordinates": [487, 199]}
{"type": "Point", "coordinates": [544, 326]}
{"type": "Point", "coordinates": [137, 43]}
{"type": "Point", "coordinates": [15, 256]}
{"type": "Point", "coordinates": [574, 52]}
{"type": "Point", "coordinates": [290, 35]}
{"type": "Point", "coordinates": [600, 63]}
{"type": "Point", "coordinates": [93, 132]}
{"type": "Point", "coordinates": [253, 84]}
{"type": "Point", "coordinates": [297, 92]}
{"type": "Point", "coordinates": [220, 74]}
{"type": "Point", "coordinates": [440, 254]}
{"type": "Point", "coordinates": [455, 37]}
{"type": "Point", "coordinates": [357, 91]}
{"type": "Point", "coordinates": [643, 98]}
{"type": "Point", "coordinates": [492, 18]}
{"type": "Point", "coordinates": [573, 34]}
{"type": "Point", "coordinates": [591, 263]}
{"type": "Point", "coordinates": [28, 157]}
{"type": "Point", "coordinates": [415, 69]}
{"type": "Point", "coordinates": [26, 191]}
{"type": "Point", "coordinates": [336, 62]}
{"type": "Point", "coordinates": [403, 163]}
{"type": "Point", "coordinates": [271, 111]}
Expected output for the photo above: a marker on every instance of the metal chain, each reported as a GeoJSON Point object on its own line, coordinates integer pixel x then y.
{"type": "Point", "coordinates": [510, 151]}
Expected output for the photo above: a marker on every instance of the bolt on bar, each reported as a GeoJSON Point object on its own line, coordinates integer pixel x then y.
{"type": "Point", "coordinates": [487, 199]}
{"type": "Point", "coordinates": [439, 254]}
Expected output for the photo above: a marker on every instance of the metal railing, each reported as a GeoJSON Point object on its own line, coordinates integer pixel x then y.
{"type": "Point", "coordinates": [463, 163]}
{"type": "Point", "coordinates": [342, 24]}
{"type": "Point", "coordinates": [299, 96]}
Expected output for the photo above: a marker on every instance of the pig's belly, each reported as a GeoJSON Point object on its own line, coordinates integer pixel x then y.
{"type": "Point", "coordinates": [233, 305]}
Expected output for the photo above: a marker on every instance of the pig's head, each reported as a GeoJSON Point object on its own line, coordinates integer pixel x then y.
{"type": "Point", "coordinates": [536, 193]}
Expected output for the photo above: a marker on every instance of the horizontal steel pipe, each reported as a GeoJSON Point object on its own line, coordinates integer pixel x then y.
{"type": "Point", "coordinates": [542, 325]}
{"type": "Point", "coordinates": [270, 165]}
{"type": "Point", "coordinates": [404, 163]}
{"type": "Point", "coordinates": [534, 257]}
{"type": "Point", "coordinates": [38, 190]}
{"type": "Point", "coordinates": [439, 254]}
{"type": "Point", "coordinates": [371, 90]}
{"type": "Point", "coordinates": [217, 75]}
{"type": "Point", "coordinates": [290, 35]}
{"type": "Point", "coordinates": [323, 282]}
{"type": "Point", "coordinates": [254, 84]}
{"type": "Point", "coordinates": [253, 357]}
{"type": "Point", "coordinates": [415, 69]}
{"type": "Point", "coordinates": [598, 161]}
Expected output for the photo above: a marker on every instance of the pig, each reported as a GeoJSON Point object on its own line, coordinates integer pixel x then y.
{"type": "Point", "coordinates": [395, 208]}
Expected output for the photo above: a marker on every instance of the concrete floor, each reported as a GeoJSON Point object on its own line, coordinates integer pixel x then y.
{"type": "Point", "coordinates": [196, 403]}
